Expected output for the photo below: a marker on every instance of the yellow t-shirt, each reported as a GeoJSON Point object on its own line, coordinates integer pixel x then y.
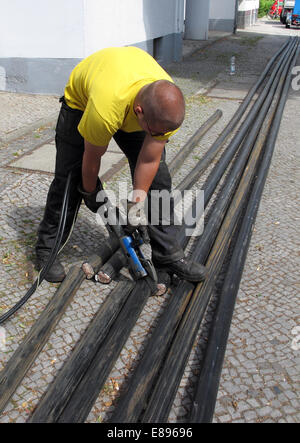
{"type": "Point", "coordinates": [104, 86]}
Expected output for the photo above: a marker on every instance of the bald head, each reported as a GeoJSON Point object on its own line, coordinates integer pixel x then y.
{"type": "Point", "coordinates": [163, 104]}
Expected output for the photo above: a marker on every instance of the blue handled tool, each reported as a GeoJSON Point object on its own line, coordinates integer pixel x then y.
{"type": "Point", "coordinates": [135, 265]}
{"type": "Point", "coordinates": [138, 265]}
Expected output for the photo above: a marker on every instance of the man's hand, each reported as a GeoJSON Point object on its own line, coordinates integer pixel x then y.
{"type": "Point", "coordinates": [90, 198]}
{"type": "Point", "coordinates": [137, 220]}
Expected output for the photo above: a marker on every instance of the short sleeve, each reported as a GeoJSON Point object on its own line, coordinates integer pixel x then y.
{"type": "Point", "coordinates": [166, 136]}
{"type": "Point", "coordinates": [94, 128]}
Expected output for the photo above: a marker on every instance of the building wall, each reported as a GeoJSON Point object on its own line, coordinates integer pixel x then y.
{"type": "Point", "coordinates": [222, 15]}
{"type": "Point", "coordinates": [41, 29]}
{"type": "Point", "coordinates": [128, 22]}
{"type": "Point", "coordinates": [41, 41]}
{"type": "Point", "coordinates": [247, 13]}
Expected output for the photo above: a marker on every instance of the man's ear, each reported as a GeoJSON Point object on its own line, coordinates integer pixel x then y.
{"type": "Point", "coordinates": [138, 109]}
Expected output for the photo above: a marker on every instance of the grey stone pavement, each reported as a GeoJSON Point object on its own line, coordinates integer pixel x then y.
{"type": "Point", "coordinates": [260, 376]}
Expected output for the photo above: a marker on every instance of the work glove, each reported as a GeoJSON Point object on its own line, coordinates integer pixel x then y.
{"type": "Point", "coordinates": [137, 220]}
{"type": "Point", "coordinates": [90, 198]}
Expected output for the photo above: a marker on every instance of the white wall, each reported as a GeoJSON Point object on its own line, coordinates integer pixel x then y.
{"type": "Point", "coordinates": [41, 28]}
{"type": "Point", "coordinates": [117, 22]}
{"type": "Point", "coordinates": [223, 10]}
{"type": "Point", "coordinates": [76, 28]}
{"type": "Point", "coordinates": [248, 5]}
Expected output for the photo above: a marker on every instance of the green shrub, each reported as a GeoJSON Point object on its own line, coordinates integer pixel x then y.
{"type": "Point", "coordinates": [264, 6]}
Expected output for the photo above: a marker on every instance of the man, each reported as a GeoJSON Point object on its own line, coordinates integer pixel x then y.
{"type": "Point", "coordinates": [125, 94]}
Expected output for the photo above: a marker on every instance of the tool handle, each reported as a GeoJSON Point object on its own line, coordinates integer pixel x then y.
{"type": "Point", "coordinates": [134, 261]}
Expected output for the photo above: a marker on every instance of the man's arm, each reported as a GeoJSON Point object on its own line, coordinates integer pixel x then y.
{"type": "Point", "coordinates": [147, 166]}
{"type": "Point", "coordinates": [91, 165]}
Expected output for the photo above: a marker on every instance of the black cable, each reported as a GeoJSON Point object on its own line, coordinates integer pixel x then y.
{"type": "Point", "coordinates": [52, 256]}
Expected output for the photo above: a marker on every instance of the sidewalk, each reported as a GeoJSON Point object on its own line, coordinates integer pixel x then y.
{"type": "Point", "coordinates": [259, 380]}
{"type": "Point", "coordinates": [23, 113]}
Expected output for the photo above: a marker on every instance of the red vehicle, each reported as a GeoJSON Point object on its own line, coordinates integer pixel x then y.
{"type": "Point", "coordinates": [275, 9]}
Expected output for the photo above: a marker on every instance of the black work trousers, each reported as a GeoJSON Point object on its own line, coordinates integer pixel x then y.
{"type": "Point", "coordinates": [69, 154]}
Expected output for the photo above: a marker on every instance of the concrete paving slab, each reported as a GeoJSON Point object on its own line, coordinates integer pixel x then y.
{"type": "Point", "coordinates": [231, 94]}
{"type": "Point", "coordinates": [233, 88]}
{"type": "Point", "coordinates": [42, 159]}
